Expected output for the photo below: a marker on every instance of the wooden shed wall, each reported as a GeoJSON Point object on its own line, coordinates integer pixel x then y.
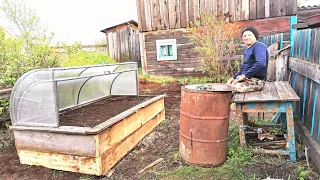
{"type": "Point", "coordinates": [172, 14]}
{"type": "Point", "coordinates": [188, 61]}
{"type": "Point", "coordinates": [123, 44]}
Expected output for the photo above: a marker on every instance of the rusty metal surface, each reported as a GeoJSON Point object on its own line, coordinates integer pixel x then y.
{"type": "Point", "coordinates": [216, 87]}
{"type": "Point", "coordinates": [204, 121]}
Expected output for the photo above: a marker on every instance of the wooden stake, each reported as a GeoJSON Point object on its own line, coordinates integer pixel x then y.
{"type": "Point", "coordinates": [150, 165]}
{"type": "Point", "coordinates": [306, 153]}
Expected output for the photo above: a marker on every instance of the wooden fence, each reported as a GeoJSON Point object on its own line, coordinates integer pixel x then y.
{"type": "Point", "coordinates": [172, 14]}
{"type": "Point", "coordinates": [305, 78]}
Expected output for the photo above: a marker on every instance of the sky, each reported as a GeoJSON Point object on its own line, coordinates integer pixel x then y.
{"type": "Point", "coordinates": [82, 20]}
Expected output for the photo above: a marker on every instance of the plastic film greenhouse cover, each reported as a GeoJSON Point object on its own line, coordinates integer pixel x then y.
{"type": "Point", "coordinates": [40, 94]}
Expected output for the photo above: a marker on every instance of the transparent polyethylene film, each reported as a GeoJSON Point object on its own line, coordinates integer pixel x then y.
{"type": "Point", "coordinates": [32, 101]}
{"type": "Point", "coordinates": [39, 95]}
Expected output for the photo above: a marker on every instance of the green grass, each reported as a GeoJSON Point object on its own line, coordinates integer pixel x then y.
{"type": "Point", "coordinates": [231, 169]}
{"type": "Point", "coordinates": [183, 80]}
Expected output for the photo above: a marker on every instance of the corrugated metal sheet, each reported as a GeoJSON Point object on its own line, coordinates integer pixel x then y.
{"type": "Point", "coordinates": [309, 7]}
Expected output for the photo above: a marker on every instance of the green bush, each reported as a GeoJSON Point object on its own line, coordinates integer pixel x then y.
{"type": "Point", "coordinates": [81, 58]}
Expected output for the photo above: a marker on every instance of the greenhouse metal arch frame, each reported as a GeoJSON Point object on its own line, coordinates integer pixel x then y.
{"type": "Point", "coordinates": [39, 95]}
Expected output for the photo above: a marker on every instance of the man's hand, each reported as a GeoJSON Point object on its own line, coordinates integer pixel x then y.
{"type": "Point", "coordinates": [230, 81]}
{"type": "Point", "coordinates": [241, 78]}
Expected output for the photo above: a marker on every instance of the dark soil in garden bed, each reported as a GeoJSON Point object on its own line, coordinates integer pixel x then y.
{"type": "Point", "coordinates": [100, 111]}
{"type": "Point", "coordinates": [163, 142]}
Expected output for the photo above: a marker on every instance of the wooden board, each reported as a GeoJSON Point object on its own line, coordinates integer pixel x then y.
{"type": "Point", "coordinates": [267, 8]}
{"type": "Point", "coordinates": [155, 11]}
{"type": "Point", "coordinates": [124, 136]}
{"type": "Point", "coordinates": [148, 5]}
{"type": "Point", "coordinates": [108, 138]}
{"type": "Point", "coordinates": [80, 145]}
{"type": "Point", "coordinates": [260, 9]}
{"type": "Point", "coordinates": [164, 14]}
{"type": "Point", "coordinates": [282, 60]}
{"type": "Point", "coordinates": [305, 68]}
{"type": "Point", "coordinates": [101, 127]}
{"type": "Point", "coordinates": [143, 55]}
{"type": "Point", "coordinates": [63, 162]}
{"type": "Point", "coordinates": [140, 14]}
{"type": "Point", "coordinates": [285, 91]}
{"type": "Point", "coordinates": [237, 98]}
{"type": "Point", "coordinates": [232, 10]}
{"type": "Point", "coordinates": [111, 157]}
{"type": "Point", "coordinates": [5, 93]}
{"type": "Point", "coordinates": [245, 10]}
{"type": "Point", "coordinates": [60, 129]}
{"type": "Point", "coordinates": [268, 93]}
{"type": "Point", "coordinates": [253, 9]}
{"type": "Point", "coordinates": [202, 10]}
{"type": "Point", "coordinates": [238, 8]}
{"type": "Point", "coordinates": [184, 13]}
{"type": "Point", "coordinates": [88, 165]}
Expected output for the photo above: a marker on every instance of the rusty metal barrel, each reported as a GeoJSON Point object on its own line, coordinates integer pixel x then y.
{"type": "Point", "coordinates": [204, 122]}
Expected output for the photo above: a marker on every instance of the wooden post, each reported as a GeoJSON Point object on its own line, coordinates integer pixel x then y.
{"type": "Point", "coordinates": [143, 54]}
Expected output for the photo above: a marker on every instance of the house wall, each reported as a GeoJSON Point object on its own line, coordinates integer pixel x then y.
{"type": "Point", "coordinates": [123, 43]}
{"type": "Point", "coordinates": [188, 61]}
{"type": "Point", "coordinates": [174, 14]}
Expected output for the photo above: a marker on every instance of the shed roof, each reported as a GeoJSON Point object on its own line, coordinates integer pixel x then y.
{"type": "Point", "coordinates": [125, 23]}
{"type": "Point", "coordinates": [309, 7]}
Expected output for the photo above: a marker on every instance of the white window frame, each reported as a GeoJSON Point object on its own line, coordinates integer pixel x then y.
{"type": "Point", "coordinates": [166, 42]}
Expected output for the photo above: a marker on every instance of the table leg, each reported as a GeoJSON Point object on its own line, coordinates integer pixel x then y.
{"type": "Point", "coordinates": [240, 125]}
{"type": "Point", "coordinates": [291, 136]}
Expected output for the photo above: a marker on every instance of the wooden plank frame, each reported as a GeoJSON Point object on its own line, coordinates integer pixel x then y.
{"type": "Point", "coordinates": [96, 150]}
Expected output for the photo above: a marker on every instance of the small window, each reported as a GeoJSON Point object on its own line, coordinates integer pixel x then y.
{"type": "Point", "coordinates": [166, 49]}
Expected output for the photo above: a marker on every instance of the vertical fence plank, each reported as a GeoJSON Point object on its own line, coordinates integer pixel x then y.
{"type": "Point", "coordinates": [245, 11]}
{"type": "Point", "coordinates": [194, 10]}
{"type": "Point", "coordinates": [267, 8]}
{"type": "Point", "coordinates": [174, 14]}
{"type": "Point", "coordinates": [183, 13]}
{"type": "Point", "coordinates": [293, 20]}
{"type": "Point", "coordinates": [232, 10]}
{"type": "Point", "coordinates": [164, 14]}
{"type": "Point", "coordinates": [238, 7]}
{"type": "Point", "coordinates": [142, 21]}
{"type": "Point", "coordinates": [272, 8]}
{"type": "Point", "coordinates": [148, 14]}
{"type": "Point", "coordinates": [118, 39]}
{"type": "Point", "coordinates": [110, 42]}
{"type": "Point", "coordinates": [260, 9]}
{"type": "Point", "coordinates": [202, 10]}
{"type": "Point", "coordinates": [220, 7]}
{"type": "Point", "coordinates": [155, 11]}
{"type": "Point", "coordinates": [253, 9]}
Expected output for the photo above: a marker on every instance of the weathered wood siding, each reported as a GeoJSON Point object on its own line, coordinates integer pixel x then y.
{"type": "Point", "coordinates": [123, 44]}
{"type": "Point", "coordinates": [173, 14]}
{"type": "Point", "coordinates": [188, 62]}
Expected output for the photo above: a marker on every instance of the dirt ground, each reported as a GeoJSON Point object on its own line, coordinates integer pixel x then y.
{"type": "Point", "coordinates": [163, 142]}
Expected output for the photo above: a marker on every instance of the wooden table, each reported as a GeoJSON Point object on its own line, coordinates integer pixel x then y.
{"type": "Point", "coordinates": [275, 97]}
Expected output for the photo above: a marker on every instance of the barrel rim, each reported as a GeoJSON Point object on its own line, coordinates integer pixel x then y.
{"type": "Point", "coordinates": [205, 92]}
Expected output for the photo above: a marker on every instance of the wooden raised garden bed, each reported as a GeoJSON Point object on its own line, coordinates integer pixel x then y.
{"type": "Point", "coordinates": [93, 138]}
